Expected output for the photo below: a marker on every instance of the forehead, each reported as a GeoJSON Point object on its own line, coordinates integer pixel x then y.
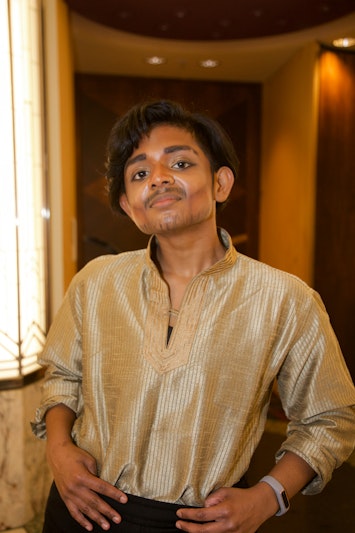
{"type": "Point", "coordinates": [165, 134]}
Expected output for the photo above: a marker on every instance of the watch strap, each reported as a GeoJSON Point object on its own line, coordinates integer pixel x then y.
{"type": "Point", "coordinates": [280, 494]}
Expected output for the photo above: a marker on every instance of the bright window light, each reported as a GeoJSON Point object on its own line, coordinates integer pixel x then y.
{"type": "Point", "coordinates": [22, 224]}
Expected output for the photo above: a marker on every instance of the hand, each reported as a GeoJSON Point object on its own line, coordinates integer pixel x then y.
{"type": "Point", "coordinates": [231, 510]}
{"type": "Point", "coordinates": [75, 476]}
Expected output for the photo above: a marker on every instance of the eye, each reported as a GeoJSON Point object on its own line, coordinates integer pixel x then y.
{"type": "Point", "coordinates": [181, 165]}
{"type": "Point", "coordinates": [139, 175]}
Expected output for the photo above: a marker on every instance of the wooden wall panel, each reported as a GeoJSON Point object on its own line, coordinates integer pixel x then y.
{"type": "Point", "coordinates": [100, 99]}
{"type": "Point", "coordinates": [335, 210]}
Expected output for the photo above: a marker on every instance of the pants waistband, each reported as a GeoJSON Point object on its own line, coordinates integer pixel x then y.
{"type": "Point", "coordinates": [146, 512]}
{"type": "Point", "coordinates": [143, 511]}
{"type": "Point", "coordinates": [138, 514]}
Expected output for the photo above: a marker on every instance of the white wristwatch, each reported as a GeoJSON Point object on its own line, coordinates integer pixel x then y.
{"type": "Point", "coordinates": [280, 493]}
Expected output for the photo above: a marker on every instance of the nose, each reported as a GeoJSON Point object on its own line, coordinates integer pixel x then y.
{"type": "Point", "coordinates": [161, 175]}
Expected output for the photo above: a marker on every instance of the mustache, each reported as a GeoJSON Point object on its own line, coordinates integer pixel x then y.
{"type": "Point", "coordinates": [162, 191]}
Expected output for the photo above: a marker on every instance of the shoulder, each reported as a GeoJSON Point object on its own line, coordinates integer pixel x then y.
{"type": "Point", "coordinates": [282, 295]}
{"type": "Point", "coordinates": [106, 266]}
{"type": "Point", "coordinates": [274, 282]}
{"type": "Point", "coordinates": [263, 272]}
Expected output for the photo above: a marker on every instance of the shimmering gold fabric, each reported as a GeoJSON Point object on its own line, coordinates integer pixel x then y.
{"type": "Point", "coordinates": [174, 422]}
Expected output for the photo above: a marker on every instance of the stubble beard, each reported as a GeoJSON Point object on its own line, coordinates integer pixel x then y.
{"type": "Point", "coordinates": [175, 223]}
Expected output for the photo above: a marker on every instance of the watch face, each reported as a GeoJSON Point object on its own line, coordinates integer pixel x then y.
{"type": "Point", "coordinates": [285, 499]}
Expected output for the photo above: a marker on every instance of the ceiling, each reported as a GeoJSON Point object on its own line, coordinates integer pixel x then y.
{"type": "Point", "coordinates": [249, 39]}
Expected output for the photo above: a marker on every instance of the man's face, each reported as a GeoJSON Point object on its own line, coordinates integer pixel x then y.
{"type": "Point", "coordinates": [169, 183]}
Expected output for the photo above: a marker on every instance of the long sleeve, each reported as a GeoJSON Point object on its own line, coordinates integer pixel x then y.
{"type": "Point", "coordinates": [318, 397]}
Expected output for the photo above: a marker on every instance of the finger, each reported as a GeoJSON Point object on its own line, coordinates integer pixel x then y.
{"type": "Point", "coordinates": [85, 503]}
{"type": "Point", "coordinates": [198, 514]}
{"type": "Point", "coordinates": [191, 527]}
{"type": "Point", "coordinates": [103, 513]}
{"type": "Point", "coordinates": [106, 489]}
{"type": "Point", "coordinates": [95, 509]}
{"type": "Point", "coordinates": [80, 518]}
{"type": "Point", "coordinates": [217, 497]}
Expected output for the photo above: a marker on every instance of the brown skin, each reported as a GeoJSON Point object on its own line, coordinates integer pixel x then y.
{"type": "Point", "coordinates": [244, 510]}
{"type": "Point", "coordinates": [171, 193]}
{"type": "Point", "coordinates": [75, 475]}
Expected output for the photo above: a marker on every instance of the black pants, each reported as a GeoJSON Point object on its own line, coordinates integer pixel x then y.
{"type": "Point", "coordinates": [139, 515]}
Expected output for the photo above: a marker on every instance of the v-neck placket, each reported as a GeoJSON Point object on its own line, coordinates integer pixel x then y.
{"type": "Point", "coordinates": [162, 355]}
{"type": "Point", "coordinates": [165, 356]}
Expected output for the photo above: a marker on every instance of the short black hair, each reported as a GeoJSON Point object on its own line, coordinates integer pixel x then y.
{"type": "Point", "coordinates": [141, 119]}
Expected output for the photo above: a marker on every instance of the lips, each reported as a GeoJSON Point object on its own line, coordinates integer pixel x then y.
{"type": "Point", "coordinates": [161, 198]}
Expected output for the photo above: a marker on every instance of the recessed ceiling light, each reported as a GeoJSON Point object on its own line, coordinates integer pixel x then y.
{"type": "Point", "coordinates": [344, 42]}
{"type": "Point", "coordinates": [155, 60]}
{"type": "Point", "coordinates": [209, 63]}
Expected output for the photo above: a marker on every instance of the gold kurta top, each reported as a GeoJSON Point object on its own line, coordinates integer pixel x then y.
{"type": "Point", "coordinates": [175, 422]}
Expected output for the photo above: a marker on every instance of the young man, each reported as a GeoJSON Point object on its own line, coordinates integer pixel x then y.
{"type": "Point", "coordinates": [160, 363]}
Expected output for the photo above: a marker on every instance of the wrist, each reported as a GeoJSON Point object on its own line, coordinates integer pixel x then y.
{"type": "Point", "coordinates": [268, 503]}
{"type": "Point", "coordinates": [279, 493]}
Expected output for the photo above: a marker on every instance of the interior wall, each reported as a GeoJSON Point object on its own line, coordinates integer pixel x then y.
{"type": "Point", "coordinates": [288, 166]}
{"type": "Point", "coordinates": [60, 148]}
{"type": "Point", "coordinates": [335, 213]}
{"type": "Point", "coordinates": [66, 70]}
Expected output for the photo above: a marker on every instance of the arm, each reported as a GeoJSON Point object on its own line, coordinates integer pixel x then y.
{"type": "Point", "coordinates": [321, 430]}
{"type": "Point", "coordinates": [75, 475]}
{"type": "Point", "coordinates": [244, 510]}
{"type": "Point", "coordinates": [74, 470]}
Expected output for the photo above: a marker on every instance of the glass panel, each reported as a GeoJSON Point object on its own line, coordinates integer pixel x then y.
{"type": "Point", "coordinates": [22, 238]}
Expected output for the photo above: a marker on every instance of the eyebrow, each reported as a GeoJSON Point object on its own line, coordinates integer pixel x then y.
{"type": "Point", "coordinates": [167, 150]}
{"type": "Point", "coordinates": [178, 148]}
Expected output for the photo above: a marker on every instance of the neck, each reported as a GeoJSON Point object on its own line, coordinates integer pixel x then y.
{"type": "Point", "coordinates": [188, 256]}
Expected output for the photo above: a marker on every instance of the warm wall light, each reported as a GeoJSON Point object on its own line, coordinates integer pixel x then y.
{"type": "Point", "coordinates": [155, 60]}
{"type": "Point", "coordinates": [344, 42]}
{"type": "Point", "coordinates": [22, 236]}
{"type": "Point", "coordinates": [209, 63]}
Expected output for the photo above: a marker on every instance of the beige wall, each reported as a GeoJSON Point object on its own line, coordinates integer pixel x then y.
{"type": "Point", "coordinates": [288, 163]}
{"type": "Point", "coordinates": [60, 147]}
{"type": "Point", "coordinates": [67, 113]}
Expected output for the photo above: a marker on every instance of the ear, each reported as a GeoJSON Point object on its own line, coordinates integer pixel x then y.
{"type": "Point", "coordinates": [223, 183]}
{"type": "Point", "coordinates": [124, 204]}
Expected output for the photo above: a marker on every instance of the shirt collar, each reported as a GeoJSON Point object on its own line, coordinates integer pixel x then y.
{"type": "Point", "coordinates": [226, 262]}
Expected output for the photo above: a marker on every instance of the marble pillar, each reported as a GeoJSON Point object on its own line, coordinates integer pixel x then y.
{"type": "Point", "coordinates": [24, 474]}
